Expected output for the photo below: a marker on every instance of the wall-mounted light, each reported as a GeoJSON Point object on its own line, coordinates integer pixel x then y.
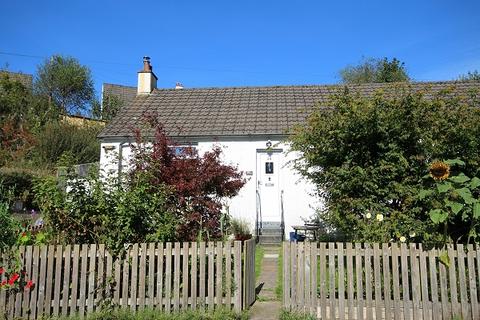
{"type": "Point", "coordinates": [269, 144]}
{"type": "Point", "coordinates": [108, 148]}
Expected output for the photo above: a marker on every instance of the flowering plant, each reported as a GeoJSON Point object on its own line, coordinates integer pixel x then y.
{"type": "Point", "coordinates": [13, 276]}
{"type": "Point", "coordinates": [455, 201]}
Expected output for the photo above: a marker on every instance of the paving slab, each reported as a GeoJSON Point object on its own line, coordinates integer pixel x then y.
{"type": "Point", "coordinates": [265, 310]}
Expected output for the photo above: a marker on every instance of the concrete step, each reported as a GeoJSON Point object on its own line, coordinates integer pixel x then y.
{"type": "Point", "coordinates": [270, 238]}
{"type": "Point", "coordinates": [271, 231]}
{"type": "Point", "coordinates": [270, 224]}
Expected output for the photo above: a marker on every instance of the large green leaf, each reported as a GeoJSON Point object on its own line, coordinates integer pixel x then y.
{"type": "Point", "coordinates": [438, 215]}
{"type": "Point", "coordinates": [461, 178]}
{"type": "Point", "coordinates": [476, 210]}
{"type": "Point", "coordinates": [452, 162]}
{"type": "Point", "coordinates": [466, 195]}
{"type": "Point", "coordinates": [445, 259]}
{"type": "Point", "coordinates": [475, 183]}
{"type": "Point", "coordinates": [455, 206]}
{"type": "Point", "coordinates": [444, 187]}
{"type": "Point", "coordinates": [424, 193]}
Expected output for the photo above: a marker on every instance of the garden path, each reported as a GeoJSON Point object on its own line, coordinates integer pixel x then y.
{"type": "Point", "coordinates": [267, 306]}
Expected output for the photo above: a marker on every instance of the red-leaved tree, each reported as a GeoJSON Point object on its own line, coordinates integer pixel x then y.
{"type": "Point", "coordinates": [199, 182]}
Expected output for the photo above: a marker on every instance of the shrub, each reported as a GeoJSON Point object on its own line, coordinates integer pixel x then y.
{"type": "Point", "coordinates": [20, 182]}
{"type": "Point", "coordinates": [367, 156]}
{"type": "Point", "coordinates": [100, 211]}
{"type": "Point", "coordinates": [9, 226]}
{"type": "Point", "coordinates": [199, 182]}
{"type": "Point", "coordinates": [240, 229]}
{"type": "Point", "coordinates": [58, 141]}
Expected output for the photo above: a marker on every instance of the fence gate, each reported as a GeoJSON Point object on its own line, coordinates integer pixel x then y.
{"type": "Point", "coordinates": [381, 281]}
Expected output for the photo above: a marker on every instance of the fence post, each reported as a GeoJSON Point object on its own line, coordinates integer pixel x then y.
{"type": "Point", "coordinates": [286, 275]}
{"type": "Point", "coordinates": [237, 256]}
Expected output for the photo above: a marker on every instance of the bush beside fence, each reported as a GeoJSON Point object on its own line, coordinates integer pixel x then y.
{"type": "Point", "coordinates": [77, 279]}
{"type": "Point", "coordinates": [387, 281]}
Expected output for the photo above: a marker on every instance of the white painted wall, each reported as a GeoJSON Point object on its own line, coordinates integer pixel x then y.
{"type": "Point", "coordinates": [299, 203]}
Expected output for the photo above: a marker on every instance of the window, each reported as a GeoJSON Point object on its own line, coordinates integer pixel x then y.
{"type": "Point", "coordinates": [183, 150]}
{"type": "Point", "coordinates": [269, 167]}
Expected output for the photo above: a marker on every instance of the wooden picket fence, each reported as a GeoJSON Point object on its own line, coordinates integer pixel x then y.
{"type": "Point", "coordinates": [387, 281]}
{"type": "Point", "coordinates": [78, 279]}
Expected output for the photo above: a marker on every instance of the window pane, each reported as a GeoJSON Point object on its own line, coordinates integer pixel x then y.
{"type": "Point", "coordinates": [269, 167]}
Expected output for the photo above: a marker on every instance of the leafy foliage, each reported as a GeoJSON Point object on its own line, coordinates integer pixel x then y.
{"type": "Point", "coordinates": [371, 70]}
{"type": "Point", "coordinates": [240, 229]}
{"type": "Point", "coordinates": [168, 196]}
{"type": "Point", "coordinates": [367, 157]}
{"type": "Point", "coordinates": [19, 182]}
{"type": "Point", "coordinates": [57, 138]}
{"type": "Point", "coordinates": [470, 76]}
{"type": "Point", "coordinates": [20, 113]}
{"type": "Point", "coordinates": [199, 182]}
{"type": "Point", "coordinates": [9, 226]}
{"type": "Point", "coordinates": [67, 84]}
{"type": "Point", "coordinates": [19, 105]}
{"type": "Point", "coordinates": [455, 204]}
{"type": "Point", "coordinates": [109, 107]}
{"type": "Point", "coordinates": [33, 134]}
{"type": "Point", "coordinates": [98, 211]}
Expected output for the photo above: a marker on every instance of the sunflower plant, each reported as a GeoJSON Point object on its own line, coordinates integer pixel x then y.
{"type": "Point", "coordinates": [453, 199]}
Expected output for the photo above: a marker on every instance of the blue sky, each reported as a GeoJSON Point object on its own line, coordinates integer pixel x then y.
{"type": "Point", "coordinates": [241, 43]}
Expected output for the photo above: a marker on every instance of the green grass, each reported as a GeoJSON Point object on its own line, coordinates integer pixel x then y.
{"type": "Point", "coordinates": [289, 315]}
{"type": "Point", "coordinates": [151, 314]}
{"type": "Point", "coordinates": [279, 287]}
{"type": "Point", "coordinates": [259, 252]}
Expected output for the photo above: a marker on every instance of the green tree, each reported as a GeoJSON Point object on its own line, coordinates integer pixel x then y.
{"type": "Point", "coordinates": [18, 104]}
{"type": "Point", "coordinates": [371, 70]}
{"type": "Point", "coordinates": [367, 156]}
{"type": "Point", "coordinates": [21, 113]}
{"type": "Point", "coordinates": [67, 84]}
{"type": "Point", "coordinates": [470, 76]}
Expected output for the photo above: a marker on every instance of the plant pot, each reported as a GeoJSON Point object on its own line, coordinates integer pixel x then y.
{"type": "Point", "coordinates": [243, 237]}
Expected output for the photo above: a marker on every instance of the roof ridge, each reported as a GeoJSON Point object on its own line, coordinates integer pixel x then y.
{"type": "Point", "coordinates": [377, 84]}
{"type": "Point", "coordinates": [333, 85]}
{"type": "Point", "coordinates": [118, 85]}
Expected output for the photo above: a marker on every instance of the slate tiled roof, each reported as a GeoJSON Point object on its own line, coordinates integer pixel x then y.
{"type": "Point", "coordinates": [124, 93]}
{"type": "Point", "coordinates": [242, 111]}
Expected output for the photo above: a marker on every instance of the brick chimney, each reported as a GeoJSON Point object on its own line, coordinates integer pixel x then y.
{"type": "Point", "coordinates": [178, 86]}
{"type": "Point", "coordinates": [147, 80]}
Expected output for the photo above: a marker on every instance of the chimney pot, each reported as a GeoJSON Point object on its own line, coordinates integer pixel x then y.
{"type": "Point", "coordinates": [178, 85]}
{"type": "Point", "coordinates": [147, 80]}
{"type": "Point", "coordinates": [146, 64]}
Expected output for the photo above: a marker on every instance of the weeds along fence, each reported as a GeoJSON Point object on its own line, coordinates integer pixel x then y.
{"type": "Point", "coordinates": [77, 279]}
{"type": "Point", "coordinates": [387, 281]}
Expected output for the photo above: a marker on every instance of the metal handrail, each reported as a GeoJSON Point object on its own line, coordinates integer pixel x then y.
{"type": "Point", "coordinates": [282, 223]}
{"type": "Point", "coordinates": [258, 221]}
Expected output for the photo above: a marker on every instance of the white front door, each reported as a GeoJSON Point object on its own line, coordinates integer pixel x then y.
{"type": "Point", "coordinates": [268, 185]}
